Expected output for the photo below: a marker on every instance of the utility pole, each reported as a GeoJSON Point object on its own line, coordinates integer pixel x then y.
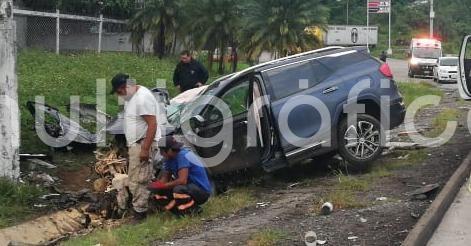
{"type": "Point", "coordinates": [9, 110]}
{"type": "Point", "coordinates": [348, 16]}
{"type": "Point", "coordinates": [389, 37]}
{"type": "Point", "coordinates": [432, 16]}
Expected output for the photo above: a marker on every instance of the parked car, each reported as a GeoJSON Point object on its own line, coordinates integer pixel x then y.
{"type": "Point", "coordinates": [331, 74]}
{"type": "Point", "coordinates": [446, 70]}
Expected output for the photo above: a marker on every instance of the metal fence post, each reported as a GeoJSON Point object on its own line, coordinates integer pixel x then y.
{"type": "Point", "coordinates": [58, 31]}
{"type": "Point", "coordinates": [9, 110]}
{"type": "Point", "coordinates": [100, 33]}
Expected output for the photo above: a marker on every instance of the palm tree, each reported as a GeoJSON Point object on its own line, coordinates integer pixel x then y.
{"type": "Point", "coordinates": [279, 26]}
{"type": "Point", "coordinates": [214, 24]}
{"type": "Point", "coordinates": [157, 17]}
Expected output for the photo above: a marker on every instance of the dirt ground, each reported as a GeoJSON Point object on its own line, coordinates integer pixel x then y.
{"type": "Point", "coordinates": [292, 210]}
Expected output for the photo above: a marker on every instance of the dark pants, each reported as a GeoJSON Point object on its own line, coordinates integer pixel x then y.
{"type": "Point", "coordinates": [196, 194]}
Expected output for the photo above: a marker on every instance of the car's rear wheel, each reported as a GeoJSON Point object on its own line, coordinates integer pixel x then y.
{"type": "Point", "coordinates": [360, 142]}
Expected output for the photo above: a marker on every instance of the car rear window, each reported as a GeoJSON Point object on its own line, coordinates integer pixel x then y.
{"type": "Point", "coordinates": [291, 79]}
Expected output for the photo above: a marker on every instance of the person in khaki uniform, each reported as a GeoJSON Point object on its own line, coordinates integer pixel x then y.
{"type": "Point", "coordinates": [142, 133]}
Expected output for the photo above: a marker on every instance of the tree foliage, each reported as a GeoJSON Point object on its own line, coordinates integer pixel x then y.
{"type": "Point", "coordinates": [279, 25]}
{"type": "Point", "coordinates": [160, 19]}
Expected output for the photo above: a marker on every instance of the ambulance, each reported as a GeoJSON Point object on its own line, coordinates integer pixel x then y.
{"type": "Point", "coordinates": [423, 56]}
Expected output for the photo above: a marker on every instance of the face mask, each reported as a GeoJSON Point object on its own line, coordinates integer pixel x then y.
{"type": "Point", "coordinates": [126, 98]}
{"type": "Point", "coordinates": [129, 93]}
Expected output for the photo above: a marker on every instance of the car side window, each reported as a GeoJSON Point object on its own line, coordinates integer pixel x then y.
{"type": "Point", "coordinates": [236, 100]}
{"type": "Point", "coordinates": [291, 79]}
{"type": "Point", "coordinates": [336, 63]}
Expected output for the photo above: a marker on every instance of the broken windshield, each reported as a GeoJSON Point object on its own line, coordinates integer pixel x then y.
{"type": "Point", "coordinates": [178, 112]}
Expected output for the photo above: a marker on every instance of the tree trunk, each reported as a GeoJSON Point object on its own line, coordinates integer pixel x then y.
{"type": "Point", "coordinates": [235, 59]}
{"type": "Point", "coordinates": [221, 59]}
{"type": "Point", "coordinates": [9, 110]}
{"type": "Point", "coordinates": [210, 60]}
{"type": "Point", "coordinates": [174, 43]}
{"type": "Point", "coordinates": [161, 42]}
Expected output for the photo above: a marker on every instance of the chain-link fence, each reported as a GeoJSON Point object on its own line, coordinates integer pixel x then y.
{"type": "Point", "coordinates": [64, 32]}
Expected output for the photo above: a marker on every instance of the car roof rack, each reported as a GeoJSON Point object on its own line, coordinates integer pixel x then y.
{"type": "Point", "coordinates": [326, 49]}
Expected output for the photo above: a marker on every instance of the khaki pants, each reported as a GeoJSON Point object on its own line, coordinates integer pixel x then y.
{"type": "Point", "coordinates": [140, 175]}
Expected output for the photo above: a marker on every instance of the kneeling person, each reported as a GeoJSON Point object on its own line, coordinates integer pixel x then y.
{"type": "Point", "coordinates": [183, 184]}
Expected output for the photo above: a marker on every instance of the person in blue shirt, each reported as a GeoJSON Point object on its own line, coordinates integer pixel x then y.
{"type": "Point", "coordinates": [183, 183]}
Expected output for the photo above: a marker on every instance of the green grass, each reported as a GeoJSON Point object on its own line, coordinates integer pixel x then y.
{"type": "Point", "coordinates": [351, 183]}
{"type": "Point", "coordinates": [266, 237]}
{"type": "Point", "coordinates": [440, 122]}
{"type": "Point", "coordinates": [412, 91]}
{"type": "Point", "coordinates": [164, 226]}
{"type": "Point", "coordinates": [394, 161]}
{"type": "Point", "coordinates": [16, 202]}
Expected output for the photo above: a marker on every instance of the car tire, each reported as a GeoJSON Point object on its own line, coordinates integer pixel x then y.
{"type": "Point", "coordinates": [360, 144]}
{"type": "Point", "coordinates": [410, 74]}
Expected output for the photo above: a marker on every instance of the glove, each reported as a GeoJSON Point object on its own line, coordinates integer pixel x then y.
{"type": "Point", "coordinates": [157, 185]}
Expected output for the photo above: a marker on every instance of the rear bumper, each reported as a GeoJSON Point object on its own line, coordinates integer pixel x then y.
{"type": "Point", "coordinates": [449, 77]}
{"type": "Point", "coordinates": [397, 114]}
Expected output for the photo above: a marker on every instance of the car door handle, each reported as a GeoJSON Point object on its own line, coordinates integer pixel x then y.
{"type": "Point", "coordinates": [330, 90]}
{"type": "Point", "coordinates": [242, 123]}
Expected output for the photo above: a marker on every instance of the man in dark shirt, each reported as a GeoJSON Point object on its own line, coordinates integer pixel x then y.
{"type": "Point", "coordinates": [189, 73]}
{"type": "Point", "coordinates": [183, 184]}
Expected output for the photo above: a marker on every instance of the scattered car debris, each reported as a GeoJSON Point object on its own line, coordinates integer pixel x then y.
{"type": "Point", "coordinates": [60, 125]}
{"type": "Point", "coordinates": [403, 145]}
{"type": "Point", "coordinates": [39, 205]}
{"type": "Point", "coordinates": [388, 151]}
{"type": "Point", "coordinates": [382, 199]}
{"type": "Point", "coordinates": [415, 215]}
{"type": "Point", "coordinates": [321, 242]}
{"type": "Point", "coordinates": [363, 220]}
{"type": "Point", "coordinates": [43, 178]}
{"type": "Point", "coordinates": [293, 185]}
{"type": "Point", "coordinates": [262, 204]}
{"type": "Point", "coordinates": [42, 163]}
{"type": "Point", "coordinates": [33, 156]}
{"type": "Point", "coordinates": [45, 197]}
{"type": "Point", "coordinates": [353, 238]}
{"type": "Point", "coordinates": [310, 237]}
{"type": "Point", "coordinates": [327, 208]}
{"type": "Point", "coordinates": [404, 157]}
{"type": "Point", "coordinates": [424, 192]}
{"type": "Point", "coordinates": [407, 133]}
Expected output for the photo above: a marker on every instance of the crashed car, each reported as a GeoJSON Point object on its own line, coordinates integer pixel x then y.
{"type": "Point", "coordinates": [302, 114]}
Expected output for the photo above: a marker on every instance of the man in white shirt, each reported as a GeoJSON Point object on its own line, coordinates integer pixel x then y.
{"type": "Point", "coordinates": [142, 134]}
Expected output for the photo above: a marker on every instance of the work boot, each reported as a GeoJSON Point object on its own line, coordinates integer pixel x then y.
{"type": "Point", "coordinates": [138, 217]}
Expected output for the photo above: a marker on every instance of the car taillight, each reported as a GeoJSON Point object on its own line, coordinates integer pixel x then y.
{"type": "Point", "coordinates": [385, 70]}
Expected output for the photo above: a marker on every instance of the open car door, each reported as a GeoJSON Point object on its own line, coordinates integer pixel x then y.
{"type": "Point", "coordinates": [464, 79]}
